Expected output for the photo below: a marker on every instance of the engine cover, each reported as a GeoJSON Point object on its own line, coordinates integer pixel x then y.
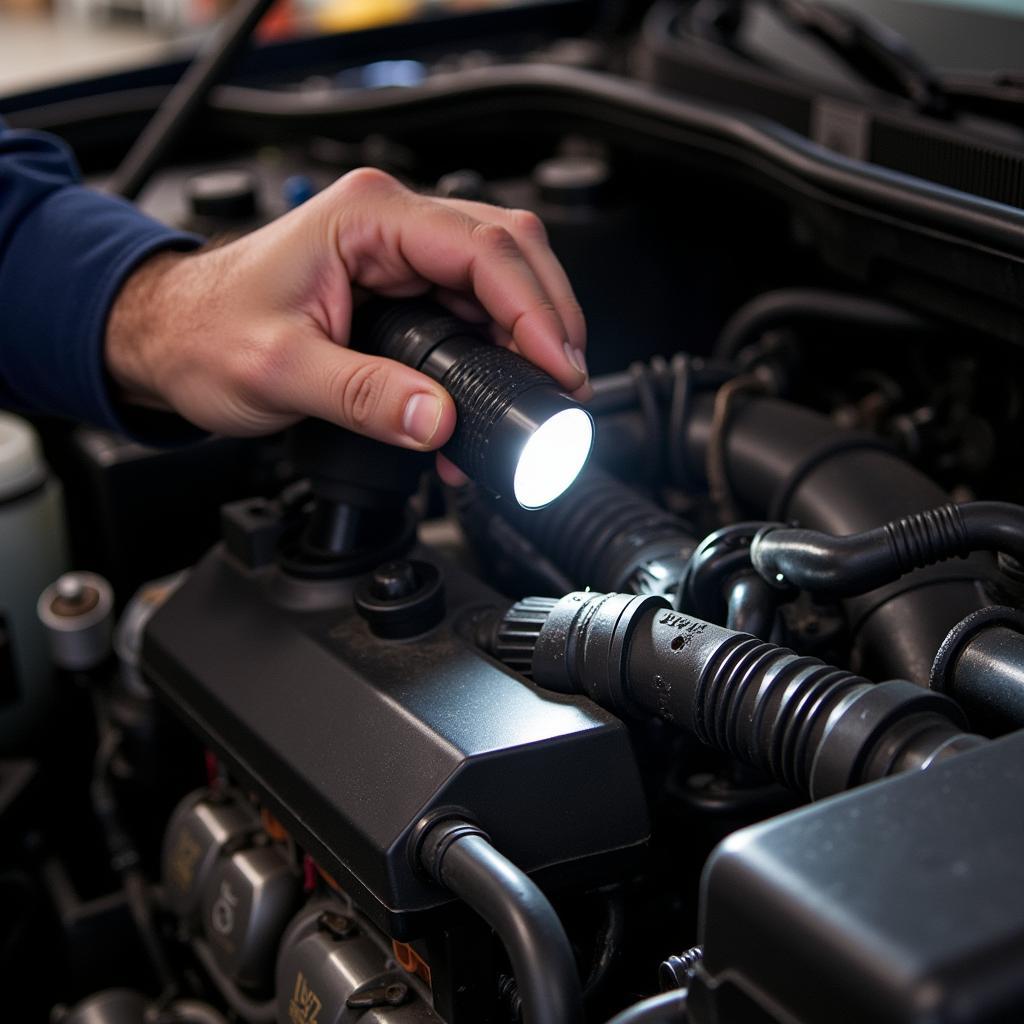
{"type": "Point", "coordinates": [351, 739]}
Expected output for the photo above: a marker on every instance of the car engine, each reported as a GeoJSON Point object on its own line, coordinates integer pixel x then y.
{"type": "Point", "coordinates": [728, 732]}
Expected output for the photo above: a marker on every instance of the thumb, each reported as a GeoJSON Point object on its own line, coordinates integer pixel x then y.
{"type": "Point", "coordinates": [370, 395]}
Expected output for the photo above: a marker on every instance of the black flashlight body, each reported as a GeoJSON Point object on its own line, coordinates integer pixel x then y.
{"type": "Point", "coordinates": [501, 399]}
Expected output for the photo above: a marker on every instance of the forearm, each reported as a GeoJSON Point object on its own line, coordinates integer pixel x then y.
{"type": "Point", "coordinates": [65, 253]}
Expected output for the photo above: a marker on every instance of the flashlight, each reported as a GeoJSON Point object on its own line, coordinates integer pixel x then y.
{"type": "Point", "coordinates": [517, 433]}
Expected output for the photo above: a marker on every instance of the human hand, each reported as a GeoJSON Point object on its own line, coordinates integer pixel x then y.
{"type": "Point", "coordinates": [247, 338]}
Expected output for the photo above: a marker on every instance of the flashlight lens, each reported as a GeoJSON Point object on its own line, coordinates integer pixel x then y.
{"type": "Point", "coordinates": [553, 457]}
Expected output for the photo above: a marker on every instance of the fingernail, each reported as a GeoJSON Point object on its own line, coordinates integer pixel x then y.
{"type": "Point", "coordinates": [421, 417]}
{"type": "Point", "coordinates": [576, 358]}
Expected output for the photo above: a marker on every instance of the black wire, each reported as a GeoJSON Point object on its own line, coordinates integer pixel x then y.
{"type": "Point", "coordinates": [644, 380]}
{"type": "Point", "coordinates": [607, 944]}
{"type": "Point", "coordinates": [716, 461]}
{"type": "Point", "coordinates": [124, 856]}
{"type": "Point", "coordinates": [680, 404]}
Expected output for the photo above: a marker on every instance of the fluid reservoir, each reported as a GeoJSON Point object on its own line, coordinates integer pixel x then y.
{"type": "Point", "coordinates": [33, 552]}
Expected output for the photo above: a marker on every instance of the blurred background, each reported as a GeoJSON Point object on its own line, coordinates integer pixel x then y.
{"type": "Point", "coordinates": [43, 42]}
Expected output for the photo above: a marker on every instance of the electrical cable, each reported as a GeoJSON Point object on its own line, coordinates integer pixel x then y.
{"type": "Point", "coordinates": [716, 465]}
{"type": "Point", "coordinates": [644, 376]}
{"type": "Point", "coordinates": [607, 942]}
{"type": "Point", "coordinates": [680, 396]}
{"type": "Point", "coordinates": [124, 857]}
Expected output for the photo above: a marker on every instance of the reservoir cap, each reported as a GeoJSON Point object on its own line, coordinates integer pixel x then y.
{"type": "Point", "coordinates": [22, 468]}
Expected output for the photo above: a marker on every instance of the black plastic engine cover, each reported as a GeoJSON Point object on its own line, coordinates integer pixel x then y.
{"type": "Point", "coordinates": [350, 739]}
{"type": "Point", "coordinates": [897, 903]}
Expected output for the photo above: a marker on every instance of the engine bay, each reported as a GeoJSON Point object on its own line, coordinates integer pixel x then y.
{"type": "Point", "coordinates": [727, 733]}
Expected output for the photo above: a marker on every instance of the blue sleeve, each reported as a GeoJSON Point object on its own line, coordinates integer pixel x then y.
{"type": "Point", "coordinates": [65, 250]}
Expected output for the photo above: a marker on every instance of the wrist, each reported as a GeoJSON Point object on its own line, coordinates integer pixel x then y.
{"type": "Point", "coordinates": [138, 323]}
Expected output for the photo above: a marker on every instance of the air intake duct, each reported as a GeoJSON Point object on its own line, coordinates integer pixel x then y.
{"type": "Point", "coordinates": [814, 728]}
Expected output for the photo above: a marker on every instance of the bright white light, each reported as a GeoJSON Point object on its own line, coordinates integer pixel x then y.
{"type": "Point", "coordinates": [553, 457]}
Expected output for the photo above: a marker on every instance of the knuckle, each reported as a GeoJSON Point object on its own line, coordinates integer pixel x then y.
{"type": "Point", "coordinates": [357, 393]}
{"type": "Point", "coordinates": [529, 226]}
{"type": "Point", "coordinates": [369, 180]}
{"type": "Point", "coordinates": [547, 307]}
{"type": "Point", "coordinates": [574, 310]}
{"type": "Point", "coordinates": [495, 240]}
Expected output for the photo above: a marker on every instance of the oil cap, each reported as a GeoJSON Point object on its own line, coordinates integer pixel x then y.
{"type": "Point", "coordinates": [401, 599]}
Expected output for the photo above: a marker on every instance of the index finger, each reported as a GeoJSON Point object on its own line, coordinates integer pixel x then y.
{"type": "Point", "coordinates": [454, 250]}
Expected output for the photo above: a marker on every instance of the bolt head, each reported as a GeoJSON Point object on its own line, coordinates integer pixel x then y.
{"type": "Point", "coordinates": [394, 580]}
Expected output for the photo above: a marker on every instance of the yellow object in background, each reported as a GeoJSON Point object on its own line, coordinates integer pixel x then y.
{"type": "Point", "coordinates": [352, 15]}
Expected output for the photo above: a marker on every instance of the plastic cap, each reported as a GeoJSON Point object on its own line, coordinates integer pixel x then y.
{"type": "Point", "coordinates": [21, 458]}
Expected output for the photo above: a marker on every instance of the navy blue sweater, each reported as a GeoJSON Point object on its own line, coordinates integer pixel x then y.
{"type": "Point", "coordinates": [65, 250]}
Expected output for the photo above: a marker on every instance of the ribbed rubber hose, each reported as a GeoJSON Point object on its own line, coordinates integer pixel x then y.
{"type": "Point", "coordinates": [601, 533]}
{"type": "Point", "coordinates": [831, 566]}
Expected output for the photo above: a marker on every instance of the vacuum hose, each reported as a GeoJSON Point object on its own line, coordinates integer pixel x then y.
{"type": "Point", "coordinates": [457, 855]}
{"type": "Point", "coordinates": [850, 565]}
